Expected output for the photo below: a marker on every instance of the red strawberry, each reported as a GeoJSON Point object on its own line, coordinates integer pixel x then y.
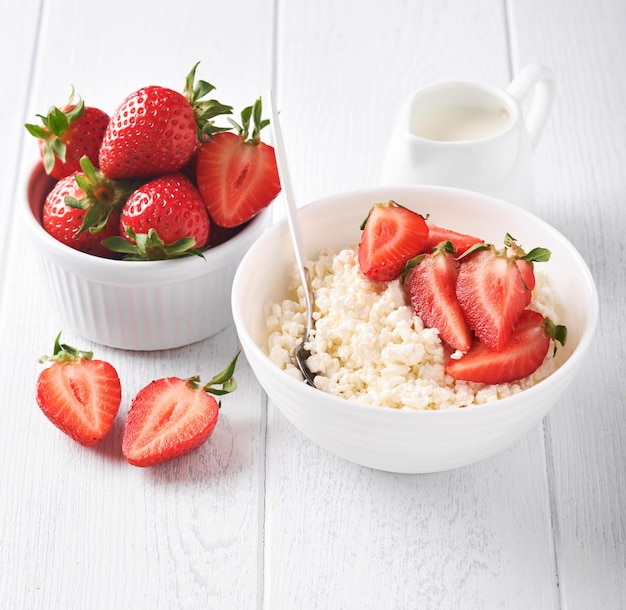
{"type": "Point", "coordinates": [155, 130]}
{"type": "Point", "coordinates": [460, 241]}
{"type": "Point", "coordinates": [80, 396]}
{"type": "Point", "coordinates": [237, 175]}
{"type": "Point", "coordinates": [68, 134]}
{"type": "Point", "coordinates": [152, 132]}
{"type": "Point", "coordinates": [392, 235]}
{"type": "Point", "coordinates": [82, 210]}
{"type": "Point", "coordinates": [171, 417]}
{"type": "Point", "coordinates": [491, 293]}
{"type": "Point", "coordinates": [521, 356]}
{"type": "Point", "coordinates": [164, 218]}
{"type": "Point", "coordinates": [433, 296]}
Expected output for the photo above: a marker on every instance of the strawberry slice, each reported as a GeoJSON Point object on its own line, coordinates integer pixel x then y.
{"type": "Point", "coordinates": [491, 293]}
{"type": "Point", "coordinates": [171, 417]}
{"type": "Point", "coordinates": [433, 296]}
{"type": "Point", "coordinates": [236, 173]}
{"type": "Point", "coordinates": [80, 396]}
{"type": "Point", "coordinates": [521, 356]}
{"type": "Point", "coordinates": [392, 235]}
{"type": "Point", "coordinates": [461, 242]}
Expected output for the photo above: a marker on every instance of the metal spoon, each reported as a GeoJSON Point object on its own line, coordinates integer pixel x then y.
{"type": "Point", "coordinates": [301, 354]}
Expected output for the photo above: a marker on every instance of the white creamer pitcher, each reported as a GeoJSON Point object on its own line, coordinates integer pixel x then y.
{"type": "Point", "coordinates": [472, 136]}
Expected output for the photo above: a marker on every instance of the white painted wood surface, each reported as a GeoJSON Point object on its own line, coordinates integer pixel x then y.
{"type": "Point", "coordinates": [260, 517]}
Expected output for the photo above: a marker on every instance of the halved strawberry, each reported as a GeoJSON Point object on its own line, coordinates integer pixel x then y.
{"type": "Point", "coordinates": [521, 356]}
{"type": "Point", "coordinates": [392, 235]}
{"type": "Point", "coordinates": [491, 293]}
{"type": "Point", "coordinates": [171, 417]}
{"type": "Point", "coordinates": [236, 173]}
{"type": "Point", "coordinates": [80, 396]}
{"type": "Point", "coordinates": [461, 242]}
{"type": "Point", "coordinates": [67, 134]}
{"type": "Point", "coordinates": [433, 296]}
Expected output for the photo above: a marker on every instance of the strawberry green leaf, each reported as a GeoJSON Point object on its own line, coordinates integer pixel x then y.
{"type": "Point", "coordinates": [204, 110]}
{"type": "Point", "coordinates": [65, 353]}
{"type": "Point", "coordinates": [150, 247]}
{"type": "Point", "coordinates": [537, 255]}
{"type": "Point", "coordinates": [225, 379]}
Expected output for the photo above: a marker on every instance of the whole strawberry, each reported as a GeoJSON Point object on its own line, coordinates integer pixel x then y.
{"type": "Point", "coordinates": [164, 218]}
{"type": "Point", "coordinates": [155, 130]}
{"type": "Point", "coordinates": [84, 209]}
{"type": "Point", "coordinates": [67, 134]}
{"type": "Point", "coordinates": [171, 417]}
{"type": "Point", "coordinates": [236, 173]}
{"type": "Point", "coordinates": [79, 395]}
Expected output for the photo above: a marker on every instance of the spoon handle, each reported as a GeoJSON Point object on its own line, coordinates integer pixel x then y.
{"type": "Point", "coordinates": [292, 210]}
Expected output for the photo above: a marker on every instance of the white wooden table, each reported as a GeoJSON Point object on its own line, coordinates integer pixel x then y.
{"type": "Point", "coordinates": [260, 517]}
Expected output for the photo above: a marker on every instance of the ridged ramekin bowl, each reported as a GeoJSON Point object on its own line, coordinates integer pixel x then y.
{"type": "Point", "coordinates": [145, 305]}
{"type": "Point", "coordinates": [409, 441]}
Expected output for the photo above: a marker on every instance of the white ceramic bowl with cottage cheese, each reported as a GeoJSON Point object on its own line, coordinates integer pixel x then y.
{"type": "Point", "coordinates": [407, 440]}
{"type": "Point", "coordinates": [145, 305]}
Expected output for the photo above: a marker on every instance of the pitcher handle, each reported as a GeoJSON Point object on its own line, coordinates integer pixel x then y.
{"type": "Point", "coordinates": [542, 80]}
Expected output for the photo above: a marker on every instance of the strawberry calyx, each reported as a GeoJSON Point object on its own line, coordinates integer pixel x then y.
{"type": "Point", "coordinates": [225, 379]}
{"type": "Point", "coordinates": [556, 332]}
{"type": "Point", "coordinates": [205, 111]}
{"type": "Point", "coordinates": [444, 246]}
{"type": "Point", "coordinates": [65, 353]}
{"type": "Point", "coordinates": [53, 126]}
{"type": "Point", "coordinates": [251, 116]}
{"type": "Point", "coordinates": [150, 247]}
{"type": "Point", "coordinates": [536, 255]}
{"type": "Point", "coordinates": [102, 196]}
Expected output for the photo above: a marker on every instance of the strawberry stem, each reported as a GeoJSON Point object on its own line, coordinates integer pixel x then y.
{"type": "Point", "coordinates": [251, 115]}
{"type": "Point", "coordinates": [225, 379]}
{"type": "Point", "coordinates": [65, 353]}
{"type": "Point", "coordinates": [150, 247]}
{"type": "Point", "coordinates": [204, 111]}
{"type": "Point", "coordinates": [102, 196]}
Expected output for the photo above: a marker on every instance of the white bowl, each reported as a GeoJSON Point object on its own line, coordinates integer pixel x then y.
{"type": "Point", "coordinates": [146, 305]}
{"type": "Point", "coordinates": [409, 441]}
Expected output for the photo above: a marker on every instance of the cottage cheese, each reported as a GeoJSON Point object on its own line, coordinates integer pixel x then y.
{"type": "Point", "coordinates": [369, 346]}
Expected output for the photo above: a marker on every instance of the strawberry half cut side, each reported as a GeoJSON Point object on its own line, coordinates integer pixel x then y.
{"type": "Point", "coordinates": [172, 417]}
{"type": "Point", "coordinates": [79, 395]}
{"type": "Point", "coordinates": [392, 235]}
{"type": "Point", "coordinates": [520, 357]}
{"type": "Point", "coordinates": [236, 173]}
{"type": "Point", "coordinates": [433, 296]}
{"type": "Point", "coordinates": [491, 293]}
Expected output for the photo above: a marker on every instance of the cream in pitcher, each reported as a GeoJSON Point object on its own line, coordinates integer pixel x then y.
{"type": "Point", "coordinates": [471, 136]}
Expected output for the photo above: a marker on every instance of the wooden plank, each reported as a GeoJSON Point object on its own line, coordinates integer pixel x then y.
{"type": "Point", "coordinates": [18, 32]}
{"type": "Point", "coordinates": [81, 524]}
{"type": "Point", "coordinates": [580, 167]}
{"type": "Point", "coordinates": [343, 536]}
